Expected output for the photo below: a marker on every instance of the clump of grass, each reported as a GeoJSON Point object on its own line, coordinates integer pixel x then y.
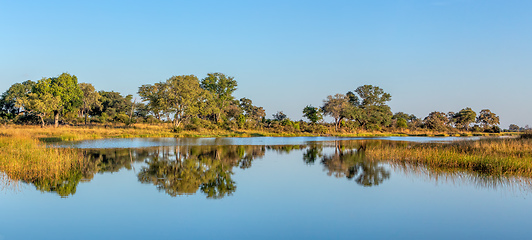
{"type": "Point", "coordinates": [25, 159]}
{"type": "Point", "coordinates": [489, 156]}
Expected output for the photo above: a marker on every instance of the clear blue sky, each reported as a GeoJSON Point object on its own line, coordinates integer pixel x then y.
{"type": "Point", "coordinates": [429, 55]}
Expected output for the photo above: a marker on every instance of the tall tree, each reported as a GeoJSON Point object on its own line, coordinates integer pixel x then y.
{"type": "Point", "coordinates": [487, 119]}
{"type": "Point", "coordinates": [221, 87]}
{"type": "Point", "coordinates": [435, 121]}
{"type": "Point", "coordinates": [40, 104]}
{"type": "Point", "coordinates": [66, 87]}
{"type": "Point", "coordinates": [156, 96]}
{"type": "Point", "coordinates": [90, 99]}
{"type": "Point", "coordinates": [338, 107]}
{"type": "Point", "coordinates": [17, 91]}
{"type": "Point", "coordinates": [464, 118]}
{"type": "Point", "coordinates": [251, 111]}
{"type": "Point", "coordinates": [371, 100]}
{"type": "Point", "coordinates": [185, 97]}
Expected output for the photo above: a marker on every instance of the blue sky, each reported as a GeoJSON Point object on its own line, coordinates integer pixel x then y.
{"type": "Point", "coordinates": [429, 55]}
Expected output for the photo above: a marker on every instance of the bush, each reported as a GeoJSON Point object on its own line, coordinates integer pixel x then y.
{"type": "Point", "coordinates": [494, 129]}
{"type": "Point", "coordinates": [123, 118]}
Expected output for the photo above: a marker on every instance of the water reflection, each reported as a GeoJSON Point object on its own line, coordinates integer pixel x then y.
{"type": "Point", "coordinates": [183, 170]}
{"type": "Point", "coordinates": [350, 161]}
{"type": "Point", "coordinates": [188, 169]}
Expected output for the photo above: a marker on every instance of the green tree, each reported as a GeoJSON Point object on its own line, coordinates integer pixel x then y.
{"type": "Point", "coordinates": [17, 91]}
{"type": "Point", "coordinates": [436, 121]}
{"type": "Point", "coordinates": [156, 97]}
{"type": "Point", "coordinates": [312, 113]}
{"type": "Point", "coordinates": [90, 100]}
{"type": "Point", "coordinates": [338, 107]}
{"type": "Point", "coordinates": [251, 111]}
{"type": "Point", "coordinates": [279, 116]}
{"type": "Point", "coordinates": [40, 104]}
{"type": "Point", "coordinates": [113, 104]}
{"type": "Point", "coordinates": [221, 87]}
{"type": "Point", "coordinates": [514, 128]}
{"type": "Point", "coordinates": [464, 118]}
{"type": "Point", "coordinates": [371, 100]}
{"type": "Point", "coordinates": [66, 87]}
{"type": "Point", "coordinates": [186, 98]}
{"type": "Point", "coordinates": [487, 119]}
{"type": "Point", "coordinates": [401, 123]}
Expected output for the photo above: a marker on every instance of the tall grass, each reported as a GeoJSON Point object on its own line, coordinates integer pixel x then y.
{"type": "Point", "coordinates": [25, 159]}
{"type": "Point", "coordinates": [489, 156]}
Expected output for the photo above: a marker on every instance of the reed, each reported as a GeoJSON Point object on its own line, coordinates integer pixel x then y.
{"type": "Point", "coordinates": [25, 159]}
{"type": "Point", "coordinates": [489, 156]}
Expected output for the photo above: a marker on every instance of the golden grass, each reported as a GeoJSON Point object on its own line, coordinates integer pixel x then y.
{"type": "Point", "coordinates": [26, 159]}
{"type": "Point", "coordinates": [490, 156]}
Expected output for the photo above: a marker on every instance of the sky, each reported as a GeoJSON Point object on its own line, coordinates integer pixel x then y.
{"type": "Point", "coordinates": [441, 55]}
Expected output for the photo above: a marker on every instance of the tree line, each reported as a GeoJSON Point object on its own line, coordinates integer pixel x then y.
{"type": "Point", "coordinates": [191, 103]}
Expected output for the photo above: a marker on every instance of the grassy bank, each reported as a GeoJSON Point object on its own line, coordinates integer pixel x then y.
{"type": "Point", "coordinates": [489, 156]}
{"type": "Point", "coordinates": [73, 133]}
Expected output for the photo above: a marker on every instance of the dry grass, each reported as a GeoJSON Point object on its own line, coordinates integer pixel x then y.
{"type": "Point", "coordinates": [26, 159]}
{"type": "Point", "coordinates": [490, 156]}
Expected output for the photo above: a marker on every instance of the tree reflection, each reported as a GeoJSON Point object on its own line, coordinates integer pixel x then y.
{"type": "Point", "coordinates": [349, 161]}
{"type": "Point", "coordinates": [183, 170]}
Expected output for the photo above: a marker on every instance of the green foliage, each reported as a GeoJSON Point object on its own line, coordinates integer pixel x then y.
{"type": "Point", "coordinates": [156, 96]}
{"type": "Point", "coordinates": [487, 119]}
{"type": "Point", "coordinates": [401, 123]}
{"type": "Point", "coordinates": [339, 107]}
{"type": "Point", "coordinates": [313, 114]}
{"type": "Point", "coordinates": [221, 87]}
{"type": "Point", "coordinates": [279, 116]}
{"type": "Point", "coordinates": [40, 104]}
{"type": "Point", "coordinates": [186, 98]}
{"type": "Point", "coordinates": [9, 98]}
{"type": "Point", "coordinates": [372, 110]}
{"type": "Point", "coordinates": [90, 99]}
{"type": "Point", "coordinates": [435, 121]}
{"type": "Point", "coordinates": [464, 118]}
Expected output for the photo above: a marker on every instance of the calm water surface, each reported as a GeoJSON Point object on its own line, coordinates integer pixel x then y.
{"type": "Point", "coordinates": [262, 188]}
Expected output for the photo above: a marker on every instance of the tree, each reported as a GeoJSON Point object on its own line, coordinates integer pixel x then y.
{"type": "Point", "coordinates": [221, 87]}
{"type": "Point", "coordinates": [40, 104]}
{"type": "Point", "coordinates": [487, 119]}
{"type": "Point", "coordinates": [338, 107]}
{"type": "Point", "coordinates": [464, 118]}
{"type": "Point", "coordinates": [113, 104]}
{"type": "Point", "coordinates": [371, 100]}
{"type": "Point", "coordinates": [156, 97]}
{"type": "Point", "coordinates": [514, 128]}
{"type": "Point", "coordinates": [66, 87]}
{"type": "Point", "coordinates": [279, 116]}
{"type": "Point", "coordinates": [407, 117]}
{"type": "Point", "coordinates": [251, 111]}
{"type": "Point", "coordinates": [186, 97]}
{"type": "Point", "coordinates": [435, 121]}
{"type": "Point", "coordinates": [90, 99]}
{"type": "Point", "coordinates": [15, 92]}
{"type": "Point", "coordinates": [312, 113]}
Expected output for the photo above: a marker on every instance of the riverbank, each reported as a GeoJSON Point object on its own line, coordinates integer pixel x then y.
{"type": "Point", "coordinates": [76, 133]}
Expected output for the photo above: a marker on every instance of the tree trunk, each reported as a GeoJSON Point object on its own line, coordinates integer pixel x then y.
{"type": "Point", "coordinates": [56, 119]}
{"type": "Point", "coordinates": [42, 121]}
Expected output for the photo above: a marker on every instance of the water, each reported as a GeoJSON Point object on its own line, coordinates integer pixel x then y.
{"type": "Point", "coordinates": [268, 188]}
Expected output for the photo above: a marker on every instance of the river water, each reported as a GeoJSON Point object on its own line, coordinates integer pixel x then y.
{"type": "Point", "coordinates": [262, 188]}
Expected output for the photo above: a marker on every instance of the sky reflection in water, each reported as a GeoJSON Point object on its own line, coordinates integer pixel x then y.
{"type": "Point", "coordinates": [309, 189]}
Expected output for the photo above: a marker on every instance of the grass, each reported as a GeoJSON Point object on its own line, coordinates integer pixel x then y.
{"type": "Point", "coordinates": [487, 156]}
{"type": "Point", "coordinates": [26, 159]}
